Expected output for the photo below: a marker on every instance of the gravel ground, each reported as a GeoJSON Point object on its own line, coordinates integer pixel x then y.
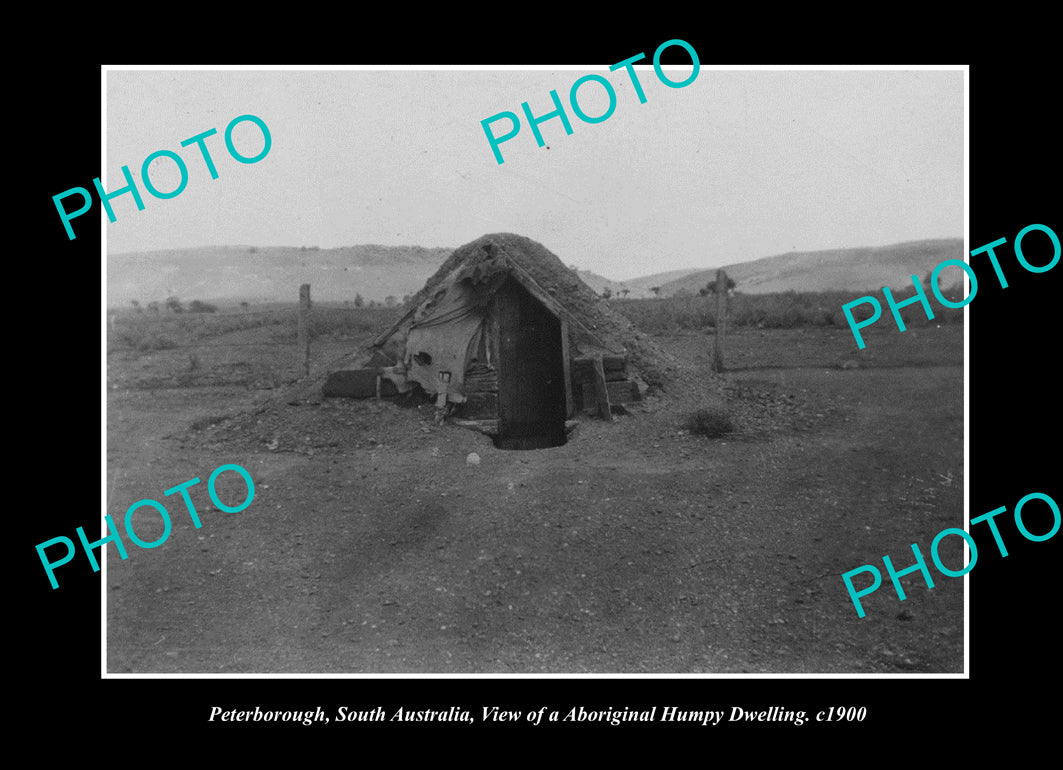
{"type": "Point", "coordinates": [373, 545]}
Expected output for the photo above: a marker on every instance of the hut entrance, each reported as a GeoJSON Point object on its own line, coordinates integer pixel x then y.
{"type": "Point", "coordinates": [531, 372]}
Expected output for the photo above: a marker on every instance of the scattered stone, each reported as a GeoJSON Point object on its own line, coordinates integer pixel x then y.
{"type": "Point", "coordinates": [472, 459]}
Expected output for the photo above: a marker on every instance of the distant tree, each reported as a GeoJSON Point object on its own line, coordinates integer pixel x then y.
{"type": "Point", "coordinates": [656, 290]}
{"type": "Point", "coordinates": [195, 306]}
{"type": "Point", "coordinates": [406, 299]}
{"type": "Point", "coordinates": [244, 305]}
{"type": "Point", "coordinates": [153, 307]}
{"type": "Point", "coordinates": [252, 250]}
{"type": "Point", "coordinates": [358, 301]}
{"type": "Point", "coordinates": [624, 291]}
{"type": "Point", "coordinates": [136, 306]}
{"type": "Point", "coordinates": [710, 287]}
{"type": "Point", "coordinates": [390, 301]}
{"type": "Point", "coordinates": [607, 293]}
{"type": "Point", "coordinates": [174, 304]}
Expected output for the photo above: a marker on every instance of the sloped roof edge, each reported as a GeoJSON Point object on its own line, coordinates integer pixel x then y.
{"type": "Point", "coordinates": [491, 248]}
{"type": "Point", "coordinates": [546, 277]}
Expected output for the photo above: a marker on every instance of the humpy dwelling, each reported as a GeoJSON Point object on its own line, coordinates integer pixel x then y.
{"type": "Point", "coordinates": [507, 339]}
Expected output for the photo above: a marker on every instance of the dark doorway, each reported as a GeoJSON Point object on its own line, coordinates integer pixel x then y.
{"type": "Point", "coordinates": [531, 372]}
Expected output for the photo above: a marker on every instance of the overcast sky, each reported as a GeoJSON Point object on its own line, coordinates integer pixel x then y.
{"type": "Point", "coordinates": [735, 166]}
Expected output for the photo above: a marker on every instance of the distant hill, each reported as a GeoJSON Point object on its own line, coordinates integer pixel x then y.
{"type": "Point", "coordinates": [270, 274]}
{"type": "Point", "coordinates": [638, 288]}
{"type": "Point", "coordinates": [273, 274]}
{"type": "Point", "coordinates": [859, 269]}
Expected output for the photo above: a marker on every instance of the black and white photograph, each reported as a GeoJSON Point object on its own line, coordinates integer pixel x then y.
{"type": "Point", "coordinates": [607, 384]}
{"type": "Point", "coordinates": [593, 406]}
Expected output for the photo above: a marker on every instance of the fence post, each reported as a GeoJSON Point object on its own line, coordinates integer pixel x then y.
{"type": "Point", "coordinates": [304, 327]}
{"type": "Point", "coordinates": [721, 320]}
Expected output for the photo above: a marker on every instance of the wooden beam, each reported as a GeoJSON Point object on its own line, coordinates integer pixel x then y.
{"type": "Point", "coordinates": [381, 339]}
{"type": "Point", "coordinates": [601, 391]}
{"type": "Point", "coordinates": [570, 405]}
{"type": "Point", "coordinates": [525, 279]}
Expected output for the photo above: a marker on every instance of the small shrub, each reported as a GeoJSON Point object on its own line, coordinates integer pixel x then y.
{"type": "Point", "coordinates": [128, 338]}
{"type": "Point", "coordinates": [712, 422]}
{"type": "Point", "coordinates": [155, 342]}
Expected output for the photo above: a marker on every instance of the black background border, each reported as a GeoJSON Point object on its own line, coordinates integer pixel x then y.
{"type": "Point", "coordinates": [1014, 181]}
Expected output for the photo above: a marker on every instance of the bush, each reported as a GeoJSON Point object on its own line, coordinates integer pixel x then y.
{"type": "Point", "coordinates": [195, 306]}
{"type": "Point", "coordinates": [779, 310]}
{"type": "Point", "coordinates": [712, 422]}
{"type": "Point", "coordinates": [155, 342]}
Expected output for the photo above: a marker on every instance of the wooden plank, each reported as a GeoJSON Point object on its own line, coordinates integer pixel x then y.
{"type": "Point", "coordinates": [582, 370]}
{"type": "Point", "coordinates": [583, 367]}
{"type": "Point", "coordinates": [589, 400]}
{"type": "Point", "coordinates": [487, 427]}
{"type": "Point", "coordinates": [481, 378]}
{"type": "Point", "coordinates": [357, 383]}
{"type": "Point", "coordinates": [531, 389]}
{"type": "Point", "coordinates": [601, 391]}
{"type": "Point", "coordinates": [570, 405]}
{"type": "Point", "coordinates": [481, 385]}
{"type": "Point", "coordinates": [623, 392]}
{"type": "Point", "coordinates": [378, 359]}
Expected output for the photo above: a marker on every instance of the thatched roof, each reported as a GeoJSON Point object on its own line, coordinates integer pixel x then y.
{"type": "Point", "coordinates": [593, 325]}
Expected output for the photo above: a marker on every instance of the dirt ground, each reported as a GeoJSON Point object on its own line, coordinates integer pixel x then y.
{"type": "Point", "coordinates": [373, 545]}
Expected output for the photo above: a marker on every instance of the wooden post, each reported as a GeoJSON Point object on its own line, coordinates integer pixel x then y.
{"type": "Point", "coordinates": [570, 405]}
{"type": "Point", "coordinates": [304, 327]}
{"type": "Point", "coordinates": [601, 392]}
{"type": "Point", "coordinates": [721, 320]}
